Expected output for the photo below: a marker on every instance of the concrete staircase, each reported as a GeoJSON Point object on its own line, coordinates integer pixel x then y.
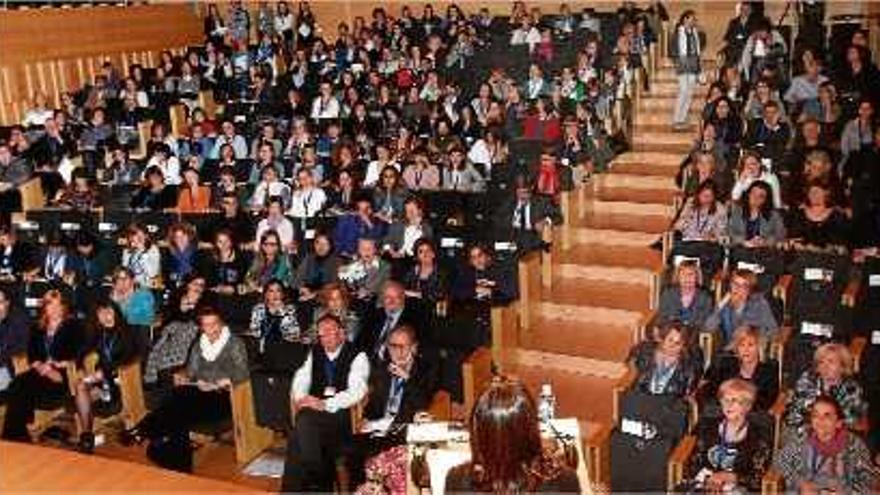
{"type": "Point", "coordinates": [603, 283]}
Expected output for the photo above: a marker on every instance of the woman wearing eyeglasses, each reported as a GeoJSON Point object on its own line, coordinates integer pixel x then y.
{"type": "Point", "coordinates": [732, 453]}
{"type": "Point", "coordinates": [269, 263]}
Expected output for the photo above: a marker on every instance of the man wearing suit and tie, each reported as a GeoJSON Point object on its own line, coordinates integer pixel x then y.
{"type": "Point", "coordinates": [399, 388]}
{"type": "Point", "coordinates": [525, 217]}
{"type": "Point", "coordinates": [392, 313]}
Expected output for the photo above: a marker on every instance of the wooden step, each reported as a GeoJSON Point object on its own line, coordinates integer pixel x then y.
{"type": "Point", "coordinates": [655, 158]}
{"type": "Point", "coordinates": [665, 105]}
{"type": "Point", "coordinates": [583, 387]}
{"type": "Point", "coordinates": [632, 208]}
{"type": "Point", "coordinates": [602, 252]}
{"type": "Point", "coordinates": [584, 331]}
{"type": "Point", "coordinates": [606, 274]}
{"type": "Point", "coordinates": [624, 222]}
{"type": "Point", "coordinates": [617, 295]}
{"type": "Point", "coordinates": [616, 179]}
{"type": "Point", "coordinates": [610, 237]}
{"type": "Point", "coordinates": [657, 196]}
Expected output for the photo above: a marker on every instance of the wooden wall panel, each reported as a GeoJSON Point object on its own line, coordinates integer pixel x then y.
{"type": "Point", "coordinates": [52, 50]}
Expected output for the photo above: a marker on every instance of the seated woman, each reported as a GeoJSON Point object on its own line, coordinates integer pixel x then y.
{"type": "Point", "coordinates": [269, 263]}
{"type": "Point", "coordinates": [200, 395]}
{"type": "Point", "coordinates": [421, 175]}
{"type": "Point", "coordinates": [79, 194]}
{"type": "Point", "coordinates": [274, 320]}
{"type": "Point", "coordinates": [750, 170]}
{"type": "Point", "coordinates": [828, 458]}
{"type": "Point", "coordinates": [136, 303]}
{"type": "Point", "coordinates": [389, 195]}
{"type": "Point", "coordinates": [817, 223]}
{"type": "Point", "coordinates": [179, 259]}
{"type": "Point", "coordinates": [367, 272]}
{"type": "Point", "coordinates": [334, 299]}
{"type": "Point", "coordinates": [703, 218]}
{"type": "Point", "coordinates": [742, 306]}
{"type": "Point", "coordinates": [55, 341]}
{"type": "Point", "coordinates": [701, 168]}
{"type": "Point", "coordinates": [668, 364]}
{"type": "Point", "coordinates": [732, 452]}
{"type": "Point", "coordinates": [183, 304]}
{"type": "Point", "coordinates": [141, 256]}
{"type": "Point", "coordinates": [192, 196]}
{"type": "Point", "coordinates": [744, 362]}
{"type": "Point", "coordinates": [507, 454]}
{"type": "Point", "coordinates": [754, 221]}
{"type": "Point", "coordinates": [225, 266]}
{"type": "Point", "coordinates": [402, 234]}
{"type": "Point", "coordinates": [318, 268]}
{"type": "Point", "coordinates": [278, 223]}
{"type": "Point", "coordinates": [153, 194]}
{"type": "Point", "coordinates": [460, 175]}
{"type": "Point", "coordinates": [116, 346]}
{"type": "Point", "coordinates": [686, 300]}
{"type": "Point", "coordinates": [832, 375]}
{"type": "Point", "coordinates": [426, 280]}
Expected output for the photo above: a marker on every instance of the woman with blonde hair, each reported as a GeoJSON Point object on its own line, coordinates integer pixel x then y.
{"type": "Point", "coordinates": [745, 360]}
{"type": "Point", "coordinates": [56, 341]}
{"type": "Point", "coordinates": [686, 300]}
{"type": "Point", "coordinates": [733, 452]}
{"type": "Point", "coordinates": [832, 375]}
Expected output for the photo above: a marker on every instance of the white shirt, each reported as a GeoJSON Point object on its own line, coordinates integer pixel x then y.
{"type": "Point", "coordinates": [374, 169]}
{"type": "Point", "coordinates": [284, 228]}
{"type": "Point", "coordinates": [145, 265]}
{"type": "Point", "coordinates": [306, 204]}
{"type": "Point", "coordinates": [356, 388]}
{"type": "Point", "coordinates": [37, 117]}
{"type": "Point", "coordinates": [170, 169]}
{"type": "Point", "coordinates": [283, 22]}
{"type": "Point", "coordinates": [527, 213]}
{"type": "Point", "coordinates": [322, 110]}
{"type": "Point", "coordinates": [411, 234]}
{"type": "Point", "coordinates": [479, 153]}
{"type": "Point", "coordinates": [266, 190]}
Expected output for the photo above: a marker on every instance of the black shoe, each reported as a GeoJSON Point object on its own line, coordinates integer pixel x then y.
{"type": "Point", "coordinates": [86, 443]}
{"type": "Point", "coordinates": [131, 437]}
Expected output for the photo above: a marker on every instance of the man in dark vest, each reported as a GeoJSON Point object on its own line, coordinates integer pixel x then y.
{"type": "Point", "coordinates": [332, 380]}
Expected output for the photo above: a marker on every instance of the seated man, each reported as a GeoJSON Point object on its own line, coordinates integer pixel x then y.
{"type": "Point", "coordinates": [331, 381]}
{"type": "Point", "coordinates": [390, 314]}
{"type": "Point", "coordinates": [398, 390]}
{"type": "Point", "coordinates": [525, 217]}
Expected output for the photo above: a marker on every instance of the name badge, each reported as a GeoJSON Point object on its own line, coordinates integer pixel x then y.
{"type": "Point", "coordinates": [329, 391]}
{"type": "Point", "coordinates": [505, 246]}
{"type": "Point", "coordinates": [28, 225]}
{"type": "Point", "coordinates": [152, 228]}
{"type": "Point", "coordinates": [32, 302]}
{"type": "Point", "coordinates": [875, 337]}
{"type": "Point", "coordinates": [107, 227]}
{"type": "Point", "coordinates": [451, 242]}
{"type": "Point", "coordinates": [817, 329]}
{"type": "Point", "coordinates": [70, 226]}
{"type": "Point", "coordinates": [874, 280]}
{"type": "Point", "coordinates": [752, 267]}
{"type": "Point", "coordinates": [817, 274]}
{"type": "Point", "coordinates": [310, 234]}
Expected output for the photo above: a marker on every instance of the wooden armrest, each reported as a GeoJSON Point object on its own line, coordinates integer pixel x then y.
{"type": "Point", "coordinates": [623, 384]}
{"type": "Point", "coordinates": [777, 346]}
{"type": "Point", "coordinates": [678, 459]}
{"type": "Point", "coordinates": [90, 363]}
{"type": "Point", "coordinates": [476, 372]}
{"type": "Point", "coordinates": [440, 407]}
{"type": "Point", "coordinates": [250, 439]}
{"type": "Point", "coordinates": [547, 232]}
{"type": "Point", "coordinates": [131, 391]}
{"type": "Point", "coordinates": [20, 363]}
{"type": "Point", "coordinates": [772, 482]}
{"type": "Point", "coordinates": [693, 410]}
{"type": "Point", "coordinates": [857, 347]}
{"type": "Point", "coordinates": [783, 287]}
{"type": "Point", "coordinates": [707, 345]}
{"type": "Point", "coordinates": [74, 376]}
{"type": "Point", "coordinates": [851, 293]}
{"type": "Point", "coordinates": [597, 451]}
{"type": "Point", "coordinates": [777, 410]}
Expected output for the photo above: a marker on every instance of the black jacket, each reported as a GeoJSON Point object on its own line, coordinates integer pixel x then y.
{"type": "Point", "coordinates": [417, 391]}
{"type": "Point", "coordinates": [368, 338]}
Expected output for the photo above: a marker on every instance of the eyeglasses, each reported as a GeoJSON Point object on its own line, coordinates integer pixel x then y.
{"type": "Point", "coordinates": [270, 243]}
{"type": "Point", "coordinates": [730, 401]}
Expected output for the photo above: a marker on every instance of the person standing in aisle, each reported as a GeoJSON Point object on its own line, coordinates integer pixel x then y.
{"type": "Point", "coordinates": [687, 54]}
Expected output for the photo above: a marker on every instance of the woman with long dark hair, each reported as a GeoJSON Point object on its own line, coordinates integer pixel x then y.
{"type": "Point", "coordinates": [754, 221]}
{"type": "Point", "coordinates": [116, 346]}
{"type": "Point", "coordinates": [506, 449]}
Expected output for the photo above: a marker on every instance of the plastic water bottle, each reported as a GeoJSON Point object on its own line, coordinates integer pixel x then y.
{"type": "Point", "coordinates": [546, 403]}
